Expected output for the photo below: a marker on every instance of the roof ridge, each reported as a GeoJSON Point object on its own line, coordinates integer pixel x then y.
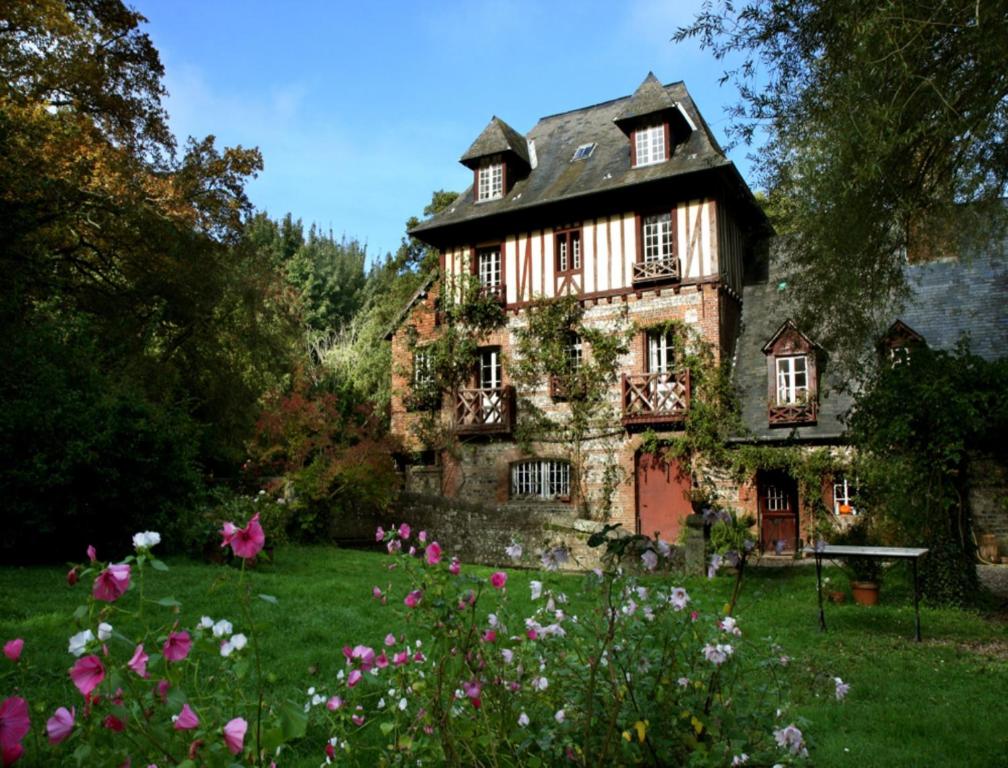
{"type": "Point", "coordinates": [602, 103]}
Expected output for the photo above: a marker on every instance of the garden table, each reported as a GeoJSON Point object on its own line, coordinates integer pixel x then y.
{"type": "Point", "coordinates": [833, 551]}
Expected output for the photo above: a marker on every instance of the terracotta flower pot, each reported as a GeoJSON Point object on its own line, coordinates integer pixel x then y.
{"type": "Point", "coordinates": [836, 596]}
{"type": "Point", "coordinates": [865, 592]}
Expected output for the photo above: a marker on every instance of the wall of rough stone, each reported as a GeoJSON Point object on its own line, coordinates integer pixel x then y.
{"type": "Point", "coordinates": [987, 480]}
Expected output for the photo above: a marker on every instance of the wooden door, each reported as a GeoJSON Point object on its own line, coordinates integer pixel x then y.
{"type": "Point", "coordinates": [663, 500]}
{"type": "Point", "coordinates": [778, 509]}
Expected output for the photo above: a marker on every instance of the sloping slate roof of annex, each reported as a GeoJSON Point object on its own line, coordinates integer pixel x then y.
{"type": "Point", "coordinates": [557, 178]}
{"type": "Point", "coordinates": [949, 299]}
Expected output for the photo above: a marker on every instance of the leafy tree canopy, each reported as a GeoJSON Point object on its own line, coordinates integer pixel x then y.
{"type": "Point", "coordinates": [881, 118]}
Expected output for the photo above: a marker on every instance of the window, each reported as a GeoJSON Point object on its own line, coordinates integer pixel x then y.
{"type": "Point", "coordinates": [660, 351]}
{"type": "Point", "coordinates": [423, 372]}
{"type": "Point", "coordinates": [490, 185]}
{"type": "Point", "coordinates": [583, 152]}
{"type": "Point", "coordinates": [568, 251]}
{"type": "Point", "coordinates": [649, 145]}
{"type": "Point", "coordinates": [844, 494]}
{"type": "Point", "coordinates": [575, 350]}
{"type": "Point", "coordinates": [490, 368]}
{"type": "Point", "coordinates": [488, 267]}
{"type": "Point", "coordinates": [541, 479]}
{"type": "Point", "coordinates": [776, 499]}
{"type": "Point", "coordinates": [792, 380]}
{"type": "Point", "coordinates": [656, 232]}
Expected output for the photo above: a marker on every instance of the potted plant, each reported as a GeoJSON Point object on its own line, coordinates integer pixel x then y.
{"type": "Point", "coordinates": [865, 573]}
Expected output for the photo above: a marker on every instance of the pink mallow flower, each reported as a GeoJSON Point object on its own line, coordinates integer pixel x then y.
{"type": "Point", "coordinates": [61, 724]}
{"type": "Point", "coordinates": [455, 567]}
{"type": "Point", "coordinates": [245, 542]}
{"type": "Point", "coordinates": [91, 553]}
{"type": "Point", "coordinates": [354, 677]}
{"type": "Point", "coordinates": [498, 579]}
{"type": "Point", "coordinates": [413, 598]}
{"type": "Point", "coordinates": [389, 640]}
{"type": "Point", "coordinates": [87, 674]}
{"type": "Point", "coordinates": [379, 533]}
{"type": "Point", "coordinates": [404, 531]}
{"type": "Point", "coordinates": [398, 659]}
{"type": "Point", "coordinates": [177, 646]}
{"type": "Point", "coordinates": [14, 725]}
{"type": "Point", "coordinates": [472, 689]}
{"type": "Point", "coordinates": [139, 661]}
{"type": "Point", "coordinates": [234, 735]}
{"type": "Point", "coordinates": [12, 649]}
{"type": "Point", "coordinates": [433, 553]}
{"type": "Point", "coordinates": [112, 583]}
{"type": "Point", "coordinates": [185, 720]}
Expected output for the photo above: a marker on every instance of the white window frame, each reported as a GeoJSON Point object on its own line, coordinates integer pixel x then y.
{"type": "Point", "coordinates": [776, 499]}
{"type": "Point", "coordinates": [844, 492]}
{"type": "Point", "coordinates": [568, 245]}
{"type": "Point", "coordinates": [649, 144]}
{"type": "Point", "coordinates": [545, 479]}
{"type": "Point", "coordinates": [575, 350]}
{"type": "Point", "coordinates": [656, 234]}
{"type": "Point", "coordinates": [490, 181]}
{"type": "Point", "coordinates": [789, 391]}
{"type": "Point", "coordinates": [660, 351]}
{"type": "Point", "coordinates": [423, 373]}
{"type": "Point", "coordinates": [490, 369]}
{"type": "Point", "coordinates": [488, 266]}
{"type": "Point", "coordinates": [583, 152]}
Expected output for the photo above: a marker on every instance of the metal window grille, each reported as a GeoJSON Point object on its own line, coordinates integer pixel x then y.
{"type": "Point", "coordinates": [657, 237]}
{"type": "Point", "coordinates": [541, 478]}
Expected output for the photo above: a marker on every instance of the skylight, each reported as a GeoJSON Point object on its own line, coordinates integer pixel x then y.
{"type": "Point", "coordinates": [583, 152]}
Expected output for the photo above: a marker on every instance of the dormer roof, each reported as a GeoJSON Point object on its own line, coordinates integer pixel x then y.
{"type": "Point", "coordinates": [788, 339]}
{"type": "Point", "coordinates": [901, 334]}
{"type": "Point", "coordinates": [498, 138]}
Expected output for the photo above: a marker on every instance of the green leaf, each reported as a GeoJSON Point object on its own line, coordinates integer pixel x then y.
{"type": "Point", "coordinates": [293, 721]}
{"type": "Point", "coordinates": [386, 728]}
{"type": "Point", "coordinates": [80, 613]}
{"type": "Point", "coordinates": [169, 602]}
{"type": "Point", "coordinates": [157, 565]}
{"type": "Point", "coordinates": [269, 599]}
{"type": "Point", "coordinates": [82, 753]}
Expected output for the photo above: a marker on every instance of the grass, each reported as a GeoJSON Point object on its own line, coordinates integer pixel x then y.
{"type": "Point", "coordinates": [936, 703]}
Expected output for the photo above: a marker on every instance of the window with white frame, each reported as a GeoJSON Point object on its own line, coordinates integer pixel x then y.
{"type": "Point", "coordinates": [844, 493]}
{"type": "Point", "coordinates": [575, 350]}
{"type": "Point", "coordinates": [423, 371]}
{"type": "Point", "coordinates": [776, 499]}
{"type": "Point", "coordinates": [792, 380]}
{"type": "Point", "coordinates": [541, 479]}
{"type": "Point", "coordinates": [490, 368]}
{"type": "Point", "coordinates": [490, 178]}
{"type": "Point", "coordinates": [568, 250]}
{"type": "Point", "coordinates": [650, 145]}
{"type": "Point", "coordinates": [660, 351]}
{"type": "Point", "coordinates": [488, 266]}
{"type": "Point", "coordinates": [656, 232]}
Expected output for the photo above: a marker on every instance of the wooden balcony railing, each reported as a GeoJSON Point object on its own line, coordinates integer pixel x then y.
{"type": "Point", "coordinates": [656, 398]}
{"type": "Point", "coordinates": [790, 414]}
{"type": "Point", "coordinates": [496, 292]}
{"type": "Point", "coordinates": [484, 411]}
{"type": "Point", "coordinates": [656, 271]}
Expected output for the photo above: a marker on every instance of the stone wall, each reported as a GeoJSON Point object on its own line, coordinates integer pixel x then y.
{"type": "Point", "coordinates": [987, 480]}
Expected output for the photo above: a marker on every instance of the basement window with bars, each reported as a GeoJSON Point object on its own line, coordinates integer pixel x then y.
{"type": "Point", "coordinates": [547, 479]}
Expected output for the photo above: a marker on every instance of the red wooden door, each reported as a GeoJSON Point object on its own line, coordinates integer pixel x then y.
{"type": "Point", "coordinates": [662, 496]}
{"type": "Point", "coordinates": [778, 507]}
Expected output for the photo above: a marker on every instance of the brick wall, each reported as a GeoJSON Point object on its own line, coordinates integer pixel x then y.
{"type": "Point", "coordinates": [987, 479]}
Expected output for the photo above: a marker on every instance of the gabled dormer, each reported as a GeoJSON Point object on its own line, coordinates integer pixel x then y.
{"type": "Point", "coordinates": [896, 344]}
{"type": "Point", "coordinates": [654, 123]}
{"type": "Point", "coordinates": [792, 377]}
{"type": "Point", "coordinates": [498, 158]}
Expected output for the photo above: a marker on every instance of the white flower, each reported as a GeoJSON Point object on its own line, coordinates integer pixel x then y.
{"type": "Point", "coordinates": [650, 559]}
{"type": "Point", "coordinates": [740, 759]}
{"type": "Point", "coordinates": [311, 691]}
{"type": "Point", "coordinates": [492, 620]}
{"type": "Point", "coordinates": [536, 587]}
{"type": "Point", "coordinates": [514, 551]}
{"type": "Point", "coordinates": [104, 631]}
{"type": "Point", "coordinates": [222, 628]}
{"type": "Point", "coordinates": [642, 593]}
{"type": "Point", "coordinates": [226, 649]}
{"type": "Point", "coordinates": [205, 622]}
{"type": "Point", "coordinates": [381, 703]}
{"type": "Point", "coordinates": [678, 598]}
{"type": "Point", "coordinates": [238, 641]}
{"type": "Point", "coordinates": [683, 682]}
{"type": "Point", "coordinates": [402, 704]}
{"type": "Point", "coordinates": [717, 654]}
{"type": "Point", "coordinates": [146, 540]}
{"type": "Point", "coordinates": [663, 548]}
{"type": "Point", "coordinates": [841, 688]}
{"type": "Point", "coordinates": [508, 654]}
{"type": "Point", "coordinates": [560, 716]}
{"type": "Point", "coordinates": [78, 642]}
{"type": "Point", "coordinates": [729, 625]}
{"type": "Point", "coordinates": [539, 683]}
{"type": "Point", "coordinates": [790, 738]}
{"type": "Point", "coordinates": [523, 720]}
{"type": "Point", "coordinates": [318, 699]}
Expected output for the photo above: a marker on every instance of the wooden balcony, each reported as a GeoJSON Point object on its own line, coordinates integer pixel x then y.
{"type": "Point", "coordinates": [496, 292]}
{"type": "Point", "coordinates": [656, 271]}
{"type": "Point", "coordinates": [656, 398]}
{"type": "Point", "coordinates": [484, 411]}
{"type": "Point", "coordinates": [793, 414]}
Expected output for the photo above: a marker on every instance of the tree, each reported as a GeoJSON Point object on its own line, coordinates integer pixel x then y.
{"type": "Point", "coordinates": [882, 120]}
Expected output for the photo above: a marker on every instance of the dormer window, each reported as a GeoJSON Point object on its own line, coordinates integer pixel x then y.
{"type": "Point", "coordinates": [898, 342]}
{"type": "Point", "coordinates": [649, 145]}
{"type": "Point", "coordinates": [490, 184]}
{"type": "Point", "coordinates": [792, 378]}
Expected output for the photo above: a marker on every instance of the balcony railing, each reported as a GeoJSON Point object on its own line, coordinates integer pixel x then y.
{"type": "Point", "coordinates": [656, 398]}
{"type": "Point", "coordinates": [496, 292]}
{"type": "Point", "coordinates": [789, 414]}
{"type": "Point", "coordinates": [484, 411]}
{"type": "Point", "coordinates": [656, 270]}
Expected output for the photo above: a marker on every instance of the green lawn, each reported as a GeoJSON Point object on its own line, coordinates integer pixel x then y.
{"type": "Point", "coordinates": [937, 703]}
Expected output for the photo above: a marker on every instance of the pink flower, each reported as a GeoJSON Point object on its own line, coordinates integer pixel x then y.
{"type": "Point", "coordinates": [114, 724]}
{"type": "Point", "coordinates": [87, 674]}
{"type": "Point", "coordinates": [91, 553]}
{"type": "Point", "coordinates": [354, 677]}
{"type": "Point", "coordinates": [334, 703]}
{"type": "Point", "coordinates": [60, 725]}
{"type": "Point", "coordinates": [381, 660]}
{"type": "Point", "coordinates": [379, 534]}
{"type": "Point", "coordinates": [12, 649]}
{"type": "Point", "coordinates": [358, 720]}
{"type": "Point", "coordinates": [71, 576]}
{"type": "Point", "coordinates": [376, 593]}
{"type": "Point", "coordinates": [234, 735]}
{"type": "Point", "coordinates": [400, 658]}
{"type": "Point", "coordinates": [246, 542]}
{"type": "Point", "coordinates": [389, 640]}
{"type": "Point", "coordinates": [139, 661]}
{"type": "Point", "coordinates": [404, 531]}
{"type": "Point", "coordinates": [366, 656]}
{"type": "Point", "coordinates": [162, 690]}
{"type": "Point", "coordinates": [14, 724]}
{"type": "Point", "coordinates": [455, 567]}
{"type": "Point", "coordinates": [422, 536]}
{"type": "Point", "coordinates": [413, 598]}
{"type": "Point", "coordinates": [185, 720]}
{"type": "Point", "coordinates": [489, 636]}
{"type": "Point", "coordinates": [498, 579]}
{"type": "Point", "coordinates": [433, 553]}
{"type": "Point", "coordinates": [112, 583]}
{"type": "Point", "coordinates": [177, 646]}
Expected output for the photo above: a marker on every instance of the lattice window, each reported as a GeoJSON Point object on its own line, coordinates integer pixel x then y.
{"type": "Point", "coordinates": [423, 369]}
{"type": "Point", "coordinates": [491, 181]}
{"type": "Point", "coordinates": [661, 351]}
{"type": "Point", "coordinates": [650, 144]}
{"type": "Point", "coordinates": [776, 499]}
{"type": "Point", "coordinates": [540, 478]}
{"type": "Point", "coordinates": [792, 380]}
{"type": "Point", "coordinates": [488, 267]}
{"type": "Point", "coordinates": [657, 234]}
{"type": "Point", "coordinates": [568, 250]}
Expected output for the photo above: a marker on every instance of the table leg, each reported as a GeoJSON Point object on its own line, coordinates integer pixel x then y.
{"type": "Point", "coordinates": [913, 562]}
{"type": "Point", "coordinates": [818, 573]}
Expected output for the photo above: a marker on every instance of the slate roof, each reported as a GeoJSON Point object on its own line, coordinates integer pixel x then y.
{"type": "Point", "coordinates": [557, 178]}
{"type": "Point", "coordinates": [949, 298]}
{"type": "Point", "coordinates": [650, 97]}
{"type": "Point", "coordinates": [498, 137]}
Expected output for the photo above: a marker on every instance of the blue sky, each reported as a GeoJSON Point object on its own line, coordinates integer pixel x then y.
{"type": "Point", "coordinates": [362, 110]}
